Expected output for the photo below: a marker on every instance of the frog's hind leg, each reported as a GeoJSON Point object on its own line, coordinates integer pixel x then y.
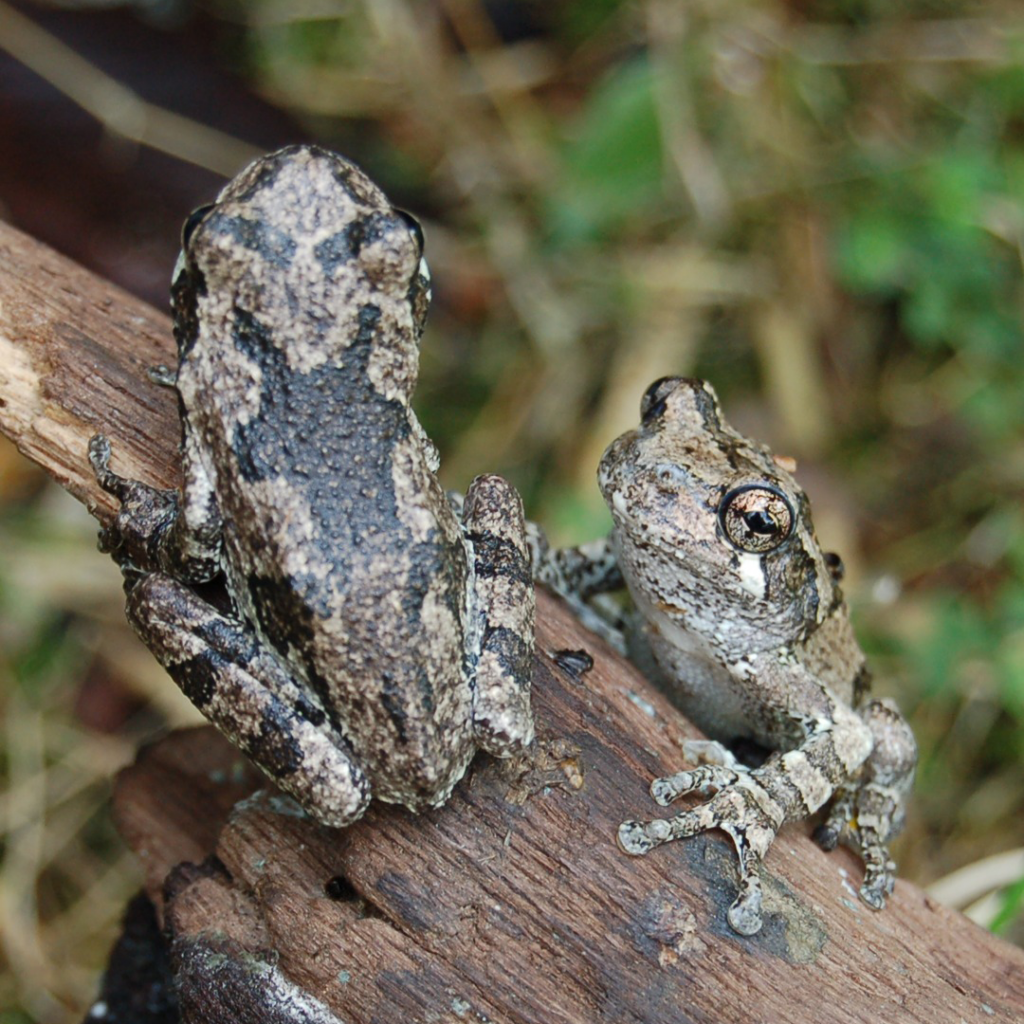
{"type": "Point", "coordinates": [239, 686]}
{"type": "Point", "coordinates": [869, 811]}
{"type": "Point", "coordinates": [502, 607]}
{"type": "Point", "coordinates": [161, 529]}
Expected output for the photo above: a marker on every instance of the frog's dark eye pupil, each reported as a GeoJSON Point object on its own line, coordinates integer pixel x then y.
{"type": "Point", "coordinates": [761, 522]}
{"type": "Point", "coordinates": [414, 228]}
{"type": "Point", "coordinates": [756, 518]}
{"type": "Point", "coordinates": [195, 218]}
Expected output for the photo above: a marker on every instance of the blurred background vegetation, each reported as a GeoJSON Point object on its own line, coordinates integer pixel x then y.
{"type": "Point", "coordinates": [818, 205]}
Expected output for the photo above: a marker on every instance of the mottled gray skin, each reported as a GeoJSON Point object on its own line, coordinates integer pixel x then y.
{"type": "Point", "coordinates": [739, 615]}
{"type": "Point", "coordinates": [373, 641]}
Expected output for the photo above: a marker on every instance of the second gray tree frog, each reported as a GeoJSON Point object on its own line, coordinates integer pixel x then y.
{"type": "Point", "coordinates": [365, 641]}
{"type": "Point", "coordinates": [739, 615]}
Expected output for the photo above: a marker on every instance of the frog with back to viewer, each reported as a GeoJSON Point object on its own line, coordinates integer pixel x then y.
{"type": "Point", "coordinates": [372, 640]}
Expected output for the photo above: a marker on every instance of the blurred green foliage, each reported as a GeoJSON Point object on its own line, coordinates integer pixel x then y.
{"type": "Point", "coordinates": [817, 204]}
{"type": "Point", "coordinates": [611, 166]}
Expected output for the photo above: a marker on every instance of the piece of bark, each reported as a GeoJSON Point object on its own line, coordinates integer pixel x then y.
{"type": "Point", "coordinates": [511, 903]}
{"type": "Point", "coordinates": [74, 352]}
{"type": "Point", "coordinates": [137, 985]}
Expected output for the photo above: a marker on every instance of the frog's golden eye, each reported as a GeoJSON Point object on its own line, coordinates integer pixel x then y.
{"type": "Point", "coordinates": [195, 218]}
{"type": "Point", "coordinates": [756, 517]}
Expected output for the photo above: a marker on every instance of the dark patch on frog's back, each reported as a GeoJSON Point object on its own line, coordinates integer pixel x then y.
{"type": "Point", "coordinates": [344, 246]}
{"type": "Point", "coordinates": [286, 619]}
{"type": "Point", "coordinates": [391, 696]}
{"type": "Point", "coordinates": [331, 434]}
{"type": "Point", "coordinates": [331, 438]}
{"type": "Point", "coordinates": [251, 338]}
{"type": "Point", "coordinates": [272, 244]}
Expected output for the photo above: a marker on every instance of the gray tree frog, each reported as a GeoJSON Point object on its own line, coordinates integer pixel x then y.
{"type": "Point", "coordinates": [739, 615]}
{"type": "Point", "coordinates": [364, 641]}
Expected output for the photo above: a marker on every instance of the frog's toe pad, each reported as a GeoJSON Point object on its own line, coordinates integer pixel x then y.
{"type": "Point", "coordinates": [671, 787]}
{"type": "Point", "coordinates": [744, 915]}
{"type": "Point", "coordinates": [639, 837]}
{"type": "Point", "coordinates": [99, 452]}
{"type": "Point", "coordinates": [873, 896]}
{"type": "Point", "coordinates": [877, 886]}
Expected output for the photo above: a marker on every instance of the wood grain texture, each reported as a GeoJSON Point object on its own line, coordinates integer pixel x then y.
{"type": "Point", "coordinates": [511, 903]}
{"type": "Point", "coordinates": [74, 352]}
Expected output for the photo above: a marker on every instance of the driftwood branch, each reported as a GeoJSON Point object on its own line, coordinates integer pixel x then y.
{"type": "Point", "coordinates": [511, 903]}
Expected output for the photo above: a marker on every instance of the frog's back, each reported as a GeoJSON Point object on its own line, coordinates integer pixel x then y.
{"type": "Point", "coordinates": [349, 561]}
{"type": "Point", "coordinates": [299, 311]}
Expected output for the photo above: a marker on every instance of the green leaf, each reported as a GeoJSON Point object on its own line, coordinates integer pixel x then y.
{"type": "Point", "coordinates": [872, 251]}
{"type": "Point", "coordinates": [1013, 902]}
{"type": "Point", "coordinates": [612, 166]}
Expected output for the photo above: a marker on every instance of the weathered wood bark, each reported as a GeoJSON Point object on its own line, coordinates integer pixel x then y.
{"type": "Point", "coordinates": [511, 903]}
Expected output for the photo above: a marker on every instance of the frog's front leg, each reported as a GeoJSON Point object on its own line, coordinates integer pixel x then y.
{"type": "Point", "coordinates": [160, 529]}
{"type": "Point", "coordinates": [583, 575]}
{"type": "Point", "coordinates": [751, 806]}
{"type": "Point", "coordinates": [869, 811]}
{"type": "Point", "coordinates": [241, 688]}
{"type": "Point", "coordinates": [501, 608]}
{"type": "Point", "coordinates": [578, 573]}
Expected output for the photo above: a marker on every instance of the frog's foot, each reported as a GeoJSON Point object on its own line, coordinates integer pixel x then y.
{"type": "Point", "coordinates": [133, 538]}
{"type": "Point", "coordinates": [862, 820]}
{"type": "Point", "coordinates": [867, 812]}
{"type": "Point", "coordinates": [879, 873]}
{"type": "Point", "coordinates": [741, 807]}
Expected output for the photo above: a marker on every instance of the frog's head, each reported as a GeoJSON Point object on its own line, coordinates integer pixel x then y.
{"type": "Point", "coordinates": [702, 506]}
{"type": "Point", "coordinates": [307, 247]}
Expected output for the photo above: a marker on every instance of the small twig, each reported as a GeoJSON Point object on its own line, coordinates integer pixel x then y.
{"type": "Point", "coordinates": [119, 109]}
{"type": "Point", "coordinates": [968, 884]}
